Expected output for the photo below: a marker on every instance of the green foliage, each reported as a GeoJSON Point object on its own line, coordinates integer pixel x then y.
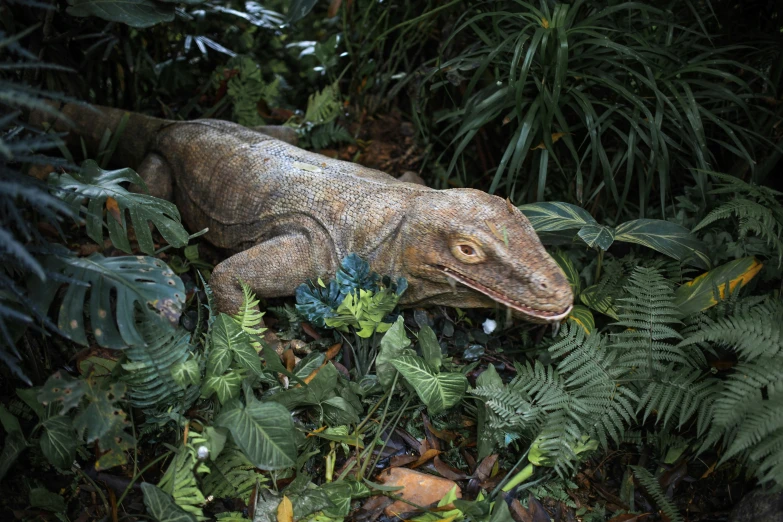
{"type": "Point", "coordinates": [246, 88]}
{"type": "Point", "coordinates": [143, 286]}
{"type": "Point", "coordinates": [162, 507]}
{"type": "Point", "coordinates": [150, 371]}
{"type": "Point", "coordinates": [180, 482]}
{"type": "Point", "coordinates": [438, 391]}
{"type": "Point", "coordinates": [569, 222]}
{"type": "Point", "coordinates": [249, 316]}
{"type": "Point", "coordinates": [103, 190]}
{"type": "Point", "coordinates": [614, 95]}
{"type": "Point", "coordinates": [231, 475]}
{"type": "Point", "coordinates": [263, 430]}
{"type": "Point", "coordinates": [97, 419]}
{"type": "Point", "coordinates": [653, 488]}
{"type": "Point", "coordinates": [757, 209]}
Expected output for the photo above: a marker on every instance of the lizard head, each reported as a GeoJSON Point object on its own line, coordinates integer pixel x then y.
{"type": "Point", "coordinates": [485, 243]}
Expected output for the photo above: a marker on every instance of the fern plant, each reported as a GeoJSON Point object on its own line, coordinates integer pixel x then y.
{"type": "Point", "coordinates": [757, 209]}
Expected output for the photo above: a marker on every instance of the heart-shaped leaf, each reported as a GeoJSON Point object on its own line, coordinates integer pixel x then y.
{"type": "Point", "coordinates": [438, 391]}
{"type": "Point", "coordinates": [58, 441]}
{"type": "Point", "coordinates": [393, 345]}
{"type": "Point", "coordinates": [162, 506]}
{"type": "Point", "coordinates": [263, 430]}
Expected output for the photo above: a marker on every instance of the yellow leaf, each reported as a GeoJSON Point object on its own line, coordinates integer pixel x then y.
{"type": "Point", "coordinates": [698, 295]}
{"type": "Point", "coordinates": [497, 233]}
{"type": "Point", "coordinates": [555, 138]}
{"type": "Point", "coordinates": [545, 23]}
{"type": "Point", "coordinates": [285, 511]}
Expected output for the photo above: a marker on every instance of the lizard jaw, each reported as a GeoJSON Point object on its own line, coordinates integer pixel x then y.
{"type": "Point", "coordinates": [544, 315]}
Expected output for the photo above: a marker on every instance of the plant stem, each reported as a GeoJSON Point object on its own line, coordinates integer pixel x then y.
{"type": "Point", "coordinates": [139, 474]}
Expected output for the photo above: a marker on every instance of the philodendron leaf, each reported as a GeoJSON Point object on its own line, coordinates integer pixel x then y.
{"type": "Point", "coordinates": [706, 290]}
{"type": "Point", "coordinates": [263, 430]}
{"type": "Point", "coordinates": [58, 441]}
{"type": "Point", "coordinates": [103, 190]}
{"type": "Point", "coordinates": [231, 344]}
{"type": "Point", "coordinates": [555, 216]}
{"type": "Point", "coordinates": [430, 347]}
{"type": "Point", "coordinates": [393, 344]}
{"type": "Point", "coordinates": [119, 287]}
{"type": "Point", "coordinates": [226, 386]}
{"type": "Point", "coordinates": [667, 238]}
{"type": "Point", "coordinates": [161, 506]}
{"type": "Point", "coordinates": [438, 391]}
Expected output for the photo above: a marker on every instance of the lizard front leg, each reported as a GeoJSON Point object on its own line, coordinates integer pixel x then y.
{"type": "Point", "coordinates": [272, 268]}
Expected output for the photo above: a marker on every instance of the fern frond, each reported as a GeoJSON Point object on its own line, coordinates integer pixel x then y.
{"type": "Point", "coordinates": [232, 475]}
{"type": "Point", "coordinates": [676, 393]}
{"type": "Point", "coordinates": [323, 106]}
{"type": "Point", "coordinates": [652, 487]}
{"type": "Point", "coordinates": [249, 317]}
{"type": "Point", "coordinates": [180, 482]}
{"type": "Point", "coordinates": [148, 368]}
{"type": "Point", "coordinates": [752, 332]}
{"type": "Point", "coordinates": [649, 315]}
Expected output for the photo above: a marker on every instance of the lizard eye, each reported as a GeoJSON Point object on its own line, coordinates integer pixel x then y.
{"type": "Point", "coordinates": [467, 252]}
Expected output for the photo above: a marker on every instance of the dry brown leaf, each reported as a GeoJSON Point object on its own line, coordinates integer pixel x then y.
{"type": "Point", "coordinates": [285, 510]}
{"type": "Point", "coordinates": [398, 461]}
{"type": "Point", "coordinates": [555, 138]}
{"type": "Point", "coordinates": [333, 350]}
{"type": "Point", "coordinates": [289, 360]}
{"type": "Point", "coordinates": [428, 455]}
{"type": "Point", "coordinates": [114, 209]}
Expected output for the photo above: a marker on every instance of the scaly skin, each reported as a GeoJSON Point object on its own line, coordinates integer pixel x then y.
{"type": "Point", "coordinates": [290, 215]}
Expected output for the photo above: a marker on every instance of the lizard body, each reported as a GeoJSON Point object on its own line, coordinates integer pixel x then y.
{"type": "Point", "coordinates": [290, 215]}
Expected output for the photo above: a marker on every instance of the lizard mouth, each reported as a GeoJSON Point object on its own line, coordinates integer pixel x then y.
{"type": "Point", "coordinates": [544, 315]}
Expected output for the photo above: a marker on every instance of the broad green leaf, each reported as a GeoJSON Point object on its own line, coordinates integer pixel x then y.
{"type": "Point", "coordinates": [341, 494]}
{"type": "Point", "coordinates": [63, 389]}
{"type": "Point", "coordinates": [604, 304]}
{"type": "Point", "coordinates": [583, 317]}
{"type": "Point", "coordinates": [338, 411]}
{"type": "Point", "coordinates": [42, 498]}
{"type": "Point", "coordinates": [569, 269]}
{"type": "Point", "coordinates": [102, 421]}
{"type": "Point", "coordinates": [490, 378]}
{"type": "Point", "coordinates": [700, 294]}
{"type": "Point", "coordinates": [216, 441]}
{"type": "Point", "coordinates": [98, 185]}
{"type": "Point", "coordinates": [225, 386]}
{"type": "Point", "coordinates": [667, 238]}
{"type": "Point", "coordinates": [230, 343]}
{"type": "Point", "coordinates": [597, 236]}
{"type": "Point", "coordinates": [30, 398]}
{"type": "Point", "coordinates": [324, 382]}
{"type": "Point", "coordinates": [500, 511]}
{"type": "Point", "coordinates": [263, 430]}
{"type": "Point", "coordinates": [161, 506]}
{"type": "Point", "coordinates": [135, 13]}
{"type": "Point", "coordinates": [118, 288]}
{"type": "Point", "coordinates": [393, 344]}
{"type": "Point", "coordinates": [186, 373]}
{"type": "Point", "coordinates": [555, 216]}
{"type": "Point", "coordinates": [58, 441]}
{"type": "Point", "coordinates": [438, 391]}
{"type": "Point", "coordinates": [430, 348]}
{"type": "Point", "coordinates": [9, 421]}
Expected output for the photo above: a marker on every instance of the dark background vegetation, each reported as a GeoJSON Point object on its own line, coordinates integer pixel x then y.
{"type": "Point", "coordinates": [622, 109]}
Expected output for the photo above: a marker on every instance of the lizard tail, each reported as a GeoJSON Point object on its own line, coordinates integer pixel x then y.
{"type": "Point", "coordinates": [91, 123]}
